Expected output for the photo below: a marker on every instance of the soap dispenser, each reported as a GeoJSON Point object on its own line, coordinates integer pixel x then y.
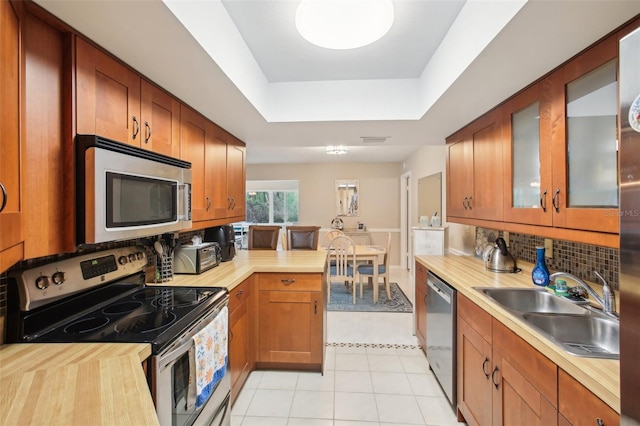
{"type": "Point", "coordinates": [540, 272]}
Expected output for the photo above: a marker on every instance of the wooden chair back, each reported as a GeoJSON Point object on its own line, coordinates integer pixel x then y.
{"type": "Point", "coordinates": [263, 237]}
{"type": "Point", "coordinates": [302, 237]}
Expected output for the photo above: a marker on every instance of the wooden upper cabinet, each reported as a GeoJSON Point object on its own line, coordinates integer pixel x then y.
{"type": "Point", "coordinates": [459, 174]}
{"type": "Point", "coordinates": [195, 134]}
{"type": "Point", "coordinates": [584, 136]}
{"type": "Point", "coordinates": [107, 96]}
{"type": "Point", "coordinates": [527, 157]}
{"type": "Point", "coordinates": [236, 179]}
{"type": "Point", "coordinates": [115, 102]}
{"type": "Point", "coordinates": [47, 160]}
{"type": "Point", "coordinates": [160, 120]}
{"type": "Point", "coordinates": [229, 176]}
{"type": "Point", "coordinates": [11, 238]}
{"type": "Point", "coordinates": [475, 169]}
{"type": "Point", "coordinates": [218, 181]}
{"type": "Point", "coordinates": [218, 169]}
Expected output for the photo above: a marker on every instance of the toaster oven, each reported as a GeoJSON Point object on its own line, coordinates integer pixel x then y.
{"type": "Point", "coordinates": [196, 259]}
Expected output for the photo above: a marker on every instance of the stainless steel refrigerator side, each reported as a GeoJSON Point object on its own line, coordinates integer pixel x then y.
{"type": "Point", "coordinates": [629, 165]}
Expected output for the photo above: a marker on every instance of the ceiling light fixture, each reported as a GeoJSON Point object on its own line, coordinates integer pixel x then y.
{"type": "Point", "coordinates": [343, 24]}
{"type": "Point", "coordinates": [337, 149]}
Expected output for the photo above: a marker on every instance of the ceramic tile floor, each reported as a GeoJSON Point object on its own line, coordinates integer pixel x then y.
{"type": "Point", "coordinates": [373, 376]}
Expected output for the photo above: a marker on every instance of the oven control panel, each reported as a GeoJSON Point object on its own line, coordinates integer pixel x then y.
{"type": "Point", "coordinates": [46, 283]}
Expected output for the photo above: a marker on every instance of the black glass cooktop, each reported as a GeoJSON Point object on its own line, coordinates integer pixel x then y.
{"type": "Point", "coordinates": [122, 312]}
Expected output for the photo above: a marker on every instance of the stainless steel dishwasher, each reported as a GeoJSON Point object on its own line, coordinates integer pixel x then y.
{"type": "Point", "coordinates": [441, 334]}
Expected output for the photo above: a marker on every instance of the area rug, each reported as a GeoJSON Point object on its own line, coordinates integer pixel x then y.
{"type": "Point", "coordinates": [342, 300]}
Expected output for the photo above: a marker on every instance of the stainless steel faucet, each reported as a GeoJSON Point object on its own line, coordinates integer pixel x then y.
{"type": "Point", "coordinates": [608, 301]}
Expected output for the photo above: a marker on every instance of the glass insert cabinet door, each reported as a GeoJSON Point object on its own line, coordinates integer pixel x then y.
{"type": "Point", "coordinates": [525, 136]}
{"type": "Point", "coordinates": [528, 156]}
{"type": "Point", "coordinates": [592, 138]}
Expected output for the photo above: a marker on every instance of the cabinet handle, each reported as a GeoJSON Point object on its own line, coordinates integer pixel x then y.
{"type": "Point", "coordinates": [4, 197]}
{"type": "Point", "coordinates": [315, 307]}
{"type": "Point", "coordinates": [464, 203]}
{"type": "Point", "coordinates": [230, 334]}
{"type": "Point", "coordinates": [543, 201]}
{"type": "Point", "coordinates": [470, 203]}
{"type": "Point", "coordinates": [599, 422]}
{"type": "Point", "coordinates": [493, 373]}
{"type": "Point", "coordinates": [136, 127]}
{"type": "Point", "coordinates": [425, 299]}
{"type": "Point", "coordinates": [147, 131]}
{"type": "Point", "coordinates": [484, 364]}
{"type": "Point", "coordinates": [288, 281]}
{"type": "Point", "coordinates": [554, 200]}
{"type": "Point", "coordinates": [208, 203]}
{"type": "Point", "coordinates": [239, 293]}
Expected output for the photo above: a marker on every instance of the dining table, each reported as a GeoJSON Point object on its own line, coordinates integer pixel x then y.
{"type": "Point", "coordinates": [373, 254]}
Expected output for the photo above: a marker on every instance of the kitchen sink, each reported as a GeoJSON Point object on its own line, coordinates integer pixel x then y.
{"type": "Point", "coordinates": [531, 300]}
{"type": "Point", "coordinates": [576, 329]}
{"type": "Point", "coordinates": [582, 335]}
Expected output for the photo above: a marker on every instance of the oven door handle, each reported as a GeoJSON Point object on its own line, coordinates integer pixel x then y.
{"type": "Point", "coordinates": [170, 357]}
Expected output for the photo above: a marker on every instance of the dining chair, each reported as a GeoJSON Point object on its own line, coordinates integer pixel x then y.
{"type": "Point", "coordinates": [263, 237]}
{"type": "Point", "coordinates": [302, 237]}
{"type": "Point", "coordinates": [383, 271]}
{"type": "Point", "coordinates": [342, 258]}
{"type": "Point", "coordinates": [326, 240]}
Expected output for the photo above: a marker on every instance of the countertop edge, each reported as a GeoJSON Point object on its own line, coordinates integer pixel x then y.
{"type": "Point", "coordinates": [584, 370]}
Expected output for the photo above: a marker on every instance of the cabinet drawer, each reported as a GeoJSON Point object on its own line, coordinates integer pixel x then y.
{"type": "Point", "coordinates": [290, 282]}
{"type": "Point", "coordinates": [421, 273]}
{"type": "Point", "coordinates": [476, 317]}
{"type": "Point", "coordinates": [239, 294]}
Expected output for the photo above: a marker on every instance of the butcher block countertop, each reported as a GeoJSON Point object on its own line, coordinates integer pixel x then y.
{"type": "Point", "coordinates": [75, 384]}
{"type": "Point", "coordinates": [104, 383]}
{"type": "Point", "coordinates": [601, 376]}
{"type": "Point", "coordinates": [246, 262]}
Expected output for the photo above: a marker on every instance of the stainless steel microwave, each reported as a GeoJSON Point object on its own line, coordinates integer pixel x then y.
{"type": "Point", "coordinates": [124, 192]}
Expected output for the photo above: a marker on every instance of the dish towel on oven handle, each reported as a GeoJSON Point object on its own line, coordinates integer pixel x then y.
{"type": "Point", "coordinates": [209, 358]}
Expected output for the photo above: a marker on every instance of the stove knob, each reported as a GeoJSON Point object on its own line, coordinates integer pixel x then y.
{"type": "Point", "coordinates": [132, 257]}
{"type": "Point", "coordinates": [123, 260]}
{"type": "Point", "coordinates": [42, 282]}
{"type": "Point", "coordinates": [58, 277]}
{"type": "Point", "coordinates": [140, 255]}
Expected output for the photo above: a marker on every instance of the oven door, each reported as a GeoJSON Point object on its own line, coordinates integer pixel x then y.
{"type": "Point", "coordinates": [172, 390]}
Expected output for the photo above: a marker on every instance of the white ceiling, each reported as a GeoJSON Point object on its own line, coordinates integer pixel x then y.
{"type": "Point", "coordinates": [442, 64]}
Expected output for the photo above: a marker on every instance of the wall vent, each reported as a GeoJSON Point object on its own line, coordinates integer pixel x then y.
{"type": "Point", "coordinates": [374, 139]}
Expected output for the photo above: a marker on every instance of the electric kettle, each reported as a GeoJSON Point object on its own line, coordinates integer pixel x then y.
{"type": "Point", "coordinates": [499, 259]}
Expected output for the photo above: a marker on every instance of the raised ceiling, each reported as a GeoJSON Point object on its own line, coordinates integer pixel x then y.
{"type": "Point", "coordinates": [442, 64]}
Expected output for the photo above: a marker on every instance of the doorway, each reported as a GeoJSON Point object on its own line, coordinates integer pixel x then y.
{"type": "Point", "coordinates": [405, 222]}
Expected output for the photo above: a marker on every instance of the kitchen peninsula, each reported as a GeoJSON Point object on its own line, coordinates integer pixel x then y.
{"type": "Point", "coordinates": [61, 383]}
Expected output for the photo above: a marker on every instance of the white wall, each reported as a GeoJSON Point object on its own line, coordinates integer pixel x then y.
{"type": "Point", "coordinates": [426, 161]}
{"type": "Point", "coordinates": [379, 195]}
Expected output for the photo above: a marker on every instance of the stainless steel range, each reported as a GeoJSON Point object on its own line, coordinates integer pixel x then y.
{"type": "Point", "coordinates": [102, 297]}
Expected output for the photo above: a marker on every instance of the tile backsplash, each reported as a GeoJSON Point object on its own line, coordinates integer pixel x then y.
{"type": "Point", "coordinates": [576, 258]}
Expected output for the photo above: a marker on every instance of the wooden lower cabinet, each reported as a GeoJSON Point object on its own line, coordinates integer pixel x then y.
{"type": "Point", "coordinates": [578, 406]}
{"type": "Point", "coordinates": [421, 305]}
{"type": "Point", "coordinates": [502, 380]}
{"type": "Point", "coordinates": [290, 319]}
{"type": "Point", "coordinates": [241, 359]}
